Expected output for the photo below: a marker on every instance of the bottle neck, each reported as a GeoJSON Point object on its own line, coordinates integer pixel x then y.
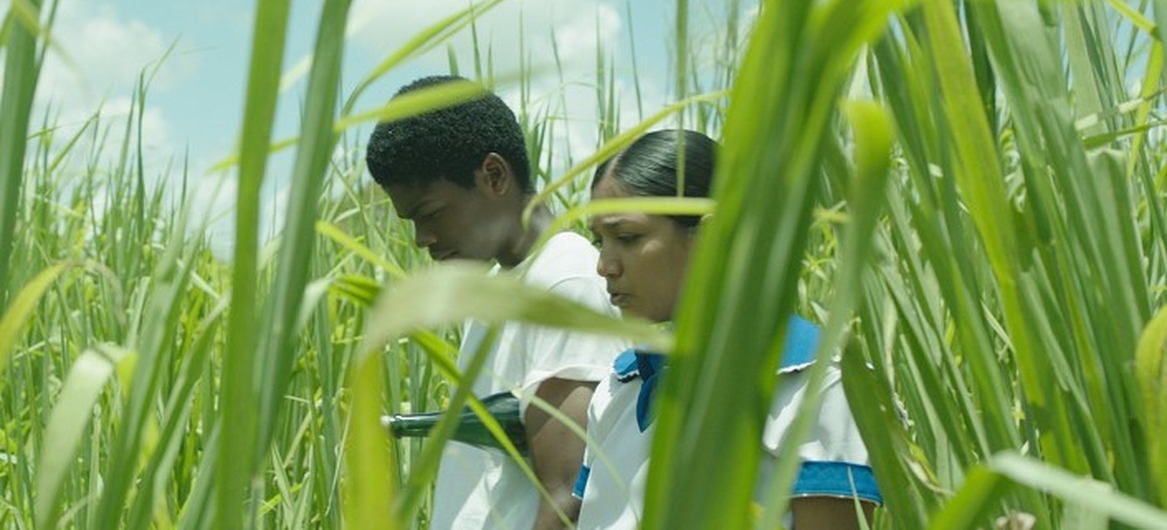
{"type": "Point", "coordinates": [504, 407]}
{"type": "Point", "coordinates": [413, 425]}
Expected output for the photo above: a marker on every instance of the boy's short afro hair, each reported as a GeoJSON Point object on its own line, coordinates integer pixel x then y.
{"type": "Point", "coordinates": [448, 143]}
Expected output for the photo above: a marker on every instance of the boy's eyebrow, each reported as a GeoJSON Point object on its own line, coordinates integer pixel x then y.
{"type": "Point", "coordinates": [420, 205]}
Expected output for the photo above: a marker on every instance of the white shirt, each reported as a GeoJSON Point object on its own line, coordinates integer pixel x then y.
{"type": "Point", "coordinates": [612, 486]}
{"type": "Point", "coordinates": [484, 488]}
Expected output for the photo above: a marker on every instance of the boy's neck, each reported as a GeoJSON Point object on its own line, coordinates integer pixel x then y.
{"type": "Point", "coordinates": [540, 221]}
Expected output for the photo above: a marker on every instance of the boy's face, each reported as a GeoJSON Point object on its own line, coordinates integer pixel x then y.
{"type": "Point", "coordinates": [453, 222]}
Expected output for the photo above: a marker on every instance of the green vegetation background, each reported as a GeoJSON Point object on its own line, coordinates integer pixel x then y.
{"type": "Point", "coordinates": [967, 195]}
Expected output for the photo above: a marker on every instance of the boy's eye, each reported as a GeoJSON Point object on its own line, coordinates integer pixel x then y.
{"type": "Point", "coordinates": [627, 238]}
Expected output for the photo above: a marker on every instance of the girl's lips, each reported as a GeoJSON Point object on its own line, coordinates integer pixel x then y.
{"type": "Point", "coordinates": [619, 299]}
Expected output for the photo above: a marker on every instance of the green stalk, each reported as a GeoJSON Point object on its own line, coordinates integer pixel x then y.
{"type": "Point", "coordinates": [873, 141]}
{"type": "Point", "coordinates": [732, 320]}
{"type": "Point", "coordinates": [312, 159]}
{"type": "Point", "coordinates": [238, 407]}
{"type": "Point", "coordinates": [680, 50]}
{"type": "Point", "coordinates": [21, 70]}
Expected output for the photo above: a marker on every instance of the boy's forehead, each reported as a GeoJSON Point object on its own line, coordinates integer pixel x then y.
{"type": "Point", "coordinates": [409, 197]}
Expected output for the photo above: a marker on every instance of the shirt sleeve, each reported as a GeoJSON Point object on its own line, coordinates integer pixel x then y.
{"type": "Point", "coordinates": [567, 354]}
{"type": "Point", "coordinates": [834, 458]}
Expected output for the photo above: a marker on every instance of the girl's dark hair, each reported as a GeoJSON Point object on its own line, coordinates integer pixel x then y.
{"type": "Point", "coordinates": [648, 167]}
{"type": "Point", "coordinates": [447, 143]}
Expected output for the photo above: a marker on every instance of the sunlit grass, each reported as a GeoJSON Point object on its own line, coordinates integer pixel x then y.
{"type": "Point", "coordinates": [994, 292]}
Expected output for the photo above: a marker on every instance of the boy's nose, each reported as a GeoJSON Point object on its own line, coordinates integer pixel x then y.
{"type": "Point", "coordinates": [423, 238]}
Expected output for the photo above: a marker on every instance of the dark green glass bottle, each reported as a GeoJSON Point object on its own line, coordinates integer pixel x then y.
{"type": "Point", "coordinates": [504, 406]}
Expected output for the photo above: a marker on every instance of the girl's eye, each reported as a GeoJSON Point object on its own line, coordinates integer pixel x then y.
{"type": "Point", "coordinates": [627, 239]}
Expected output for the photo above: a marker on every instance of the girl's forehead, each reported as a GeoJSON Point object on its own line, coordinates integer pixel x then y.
{"type": "Point", "coordinates": [605, 221]}
{"type": "Point", "coordinates": [619, 220]}
{"type": "Point", "coordinates": [608, 188]}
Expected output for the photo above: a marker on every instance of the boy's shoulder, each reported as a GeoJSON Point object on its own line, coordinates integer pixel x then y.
{"type": "Point", "coordinates": [566, 256]}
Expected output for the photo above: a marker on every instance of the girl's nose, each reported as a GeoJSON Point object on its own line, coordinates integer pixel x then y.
{"type": "Point", "coordinates": [607, 267]}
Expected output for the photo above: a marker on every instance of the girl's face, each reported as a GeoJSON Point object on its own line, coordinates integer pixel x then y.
{"type": "Point", "coordinates": [642, 257]}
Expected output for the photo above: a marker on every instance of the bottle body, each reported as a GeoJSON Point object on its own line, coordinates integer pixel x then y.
{"type": "Point", "coordinates": [504, 407]}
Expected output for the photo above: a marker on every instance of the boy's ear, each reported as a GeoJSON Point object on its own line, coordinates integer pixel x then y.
{"type": "Point", "coordinates": [495, 173]}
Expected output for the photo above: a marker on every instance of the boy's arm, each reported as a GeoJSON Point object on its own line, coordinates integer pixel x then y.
{"type": "Point", "coordinates": [556, 451]}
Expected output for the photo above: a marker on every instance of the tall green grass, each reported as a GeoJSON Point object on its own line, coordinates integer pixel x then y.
{"type": "Point", "coordinates": [982, 237]}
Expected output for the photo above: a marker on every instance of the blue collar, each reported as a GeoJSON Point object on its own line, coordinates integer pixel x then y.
{"type": "Point", "coordinates": [802, 339]}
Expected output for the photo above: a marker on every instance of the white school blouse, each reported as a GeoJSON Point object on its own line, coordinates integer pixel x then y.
{"type": "Point", "coordinates": [612, 479]}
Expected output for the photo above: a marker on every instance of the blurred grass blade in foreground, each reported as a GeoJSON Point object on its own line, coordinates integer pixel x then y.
{"type": "Point", "coordinates": [746, 267]}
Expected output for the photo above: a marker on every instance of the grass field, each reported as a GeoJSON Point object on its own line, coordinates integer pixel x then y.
{"type": "Point", "coordinates": [968, 196]}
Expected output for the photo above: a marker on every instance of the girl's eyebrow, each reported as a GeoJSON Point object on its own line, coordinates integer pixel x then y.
{"type": "Point", "coordinates": [604, 224]}
{"type": "Point", "coordinates": [609, 223]}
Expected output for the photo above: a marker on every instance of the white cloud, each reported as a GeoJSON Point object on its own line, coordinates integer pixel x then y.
{"type": "Point", "coordinates": [577, 117]}
{"type": "Point", "coordinates": [156, 130]}
{"type": "Point", "coordinates": [95, 65]}
{"type": "Point", "coordinates": [575, 29]}
{"type": "Point", "coordinates": [578, 27]}
{"type": "Point", "coordinates": [100, 53]}
{"type": "Point", "coordinates": [212, 211]}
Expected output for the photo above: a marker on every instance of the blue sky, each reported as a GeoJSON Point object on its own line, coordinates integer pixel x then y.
{"type": "Point", "coordinates": [194, 104]}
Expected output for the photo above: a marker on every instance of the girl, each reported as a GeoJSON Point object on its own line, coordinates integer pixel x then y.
{"type": "Point", "coordinates": [643, 260]}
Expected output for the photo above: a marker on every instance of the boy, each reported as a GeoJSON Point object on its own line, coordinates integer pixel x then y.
{"type": "Point", "coordinates": [461, 174]}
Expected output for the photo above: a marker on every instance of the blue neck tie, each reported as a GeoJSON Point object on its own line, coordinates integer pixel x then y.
{"type": "Point", "coordinates": [650, 366]}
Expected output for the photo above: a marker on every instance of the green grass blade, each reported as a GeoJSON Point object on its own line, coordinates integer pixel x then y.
{"type": "Point", "coordinates": [71, 415]}
{"type": "Point", "coordinates": [159, 312]}
{"type": "Point", "coordinates": [873, 139]}
{"type": "Point", "coordinates": [1152, 376]}
{"type": "Point", "coordinates": [456, 292]}
{"type": "Point", "coordinates": [428, 38]}
{"type": "Point", "coordinates": [238, 416]}
{"type": "Point", "coordinates": [613, 146]}
{"type": "Point", "coordinates": [16, 316]}
{"type": "Point", "coordinates": [312, 160]}
{"type": "Point", "coordinates": [21, 70]}
{"type": "Point", "coordinates": [646, 205]}
{"type": "Point", "coordinates": [974, 504]}
{"type": "Point", "coordinates": [732, 320]}
{"type": "Point", "coordinates": [1078, 490]}
{"type": "Point", "coordinates": [980, 180]}
{"type": "Point", "coordinates": [159, 470]}
{"type": "Point", "coordinates": [888, 443]}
